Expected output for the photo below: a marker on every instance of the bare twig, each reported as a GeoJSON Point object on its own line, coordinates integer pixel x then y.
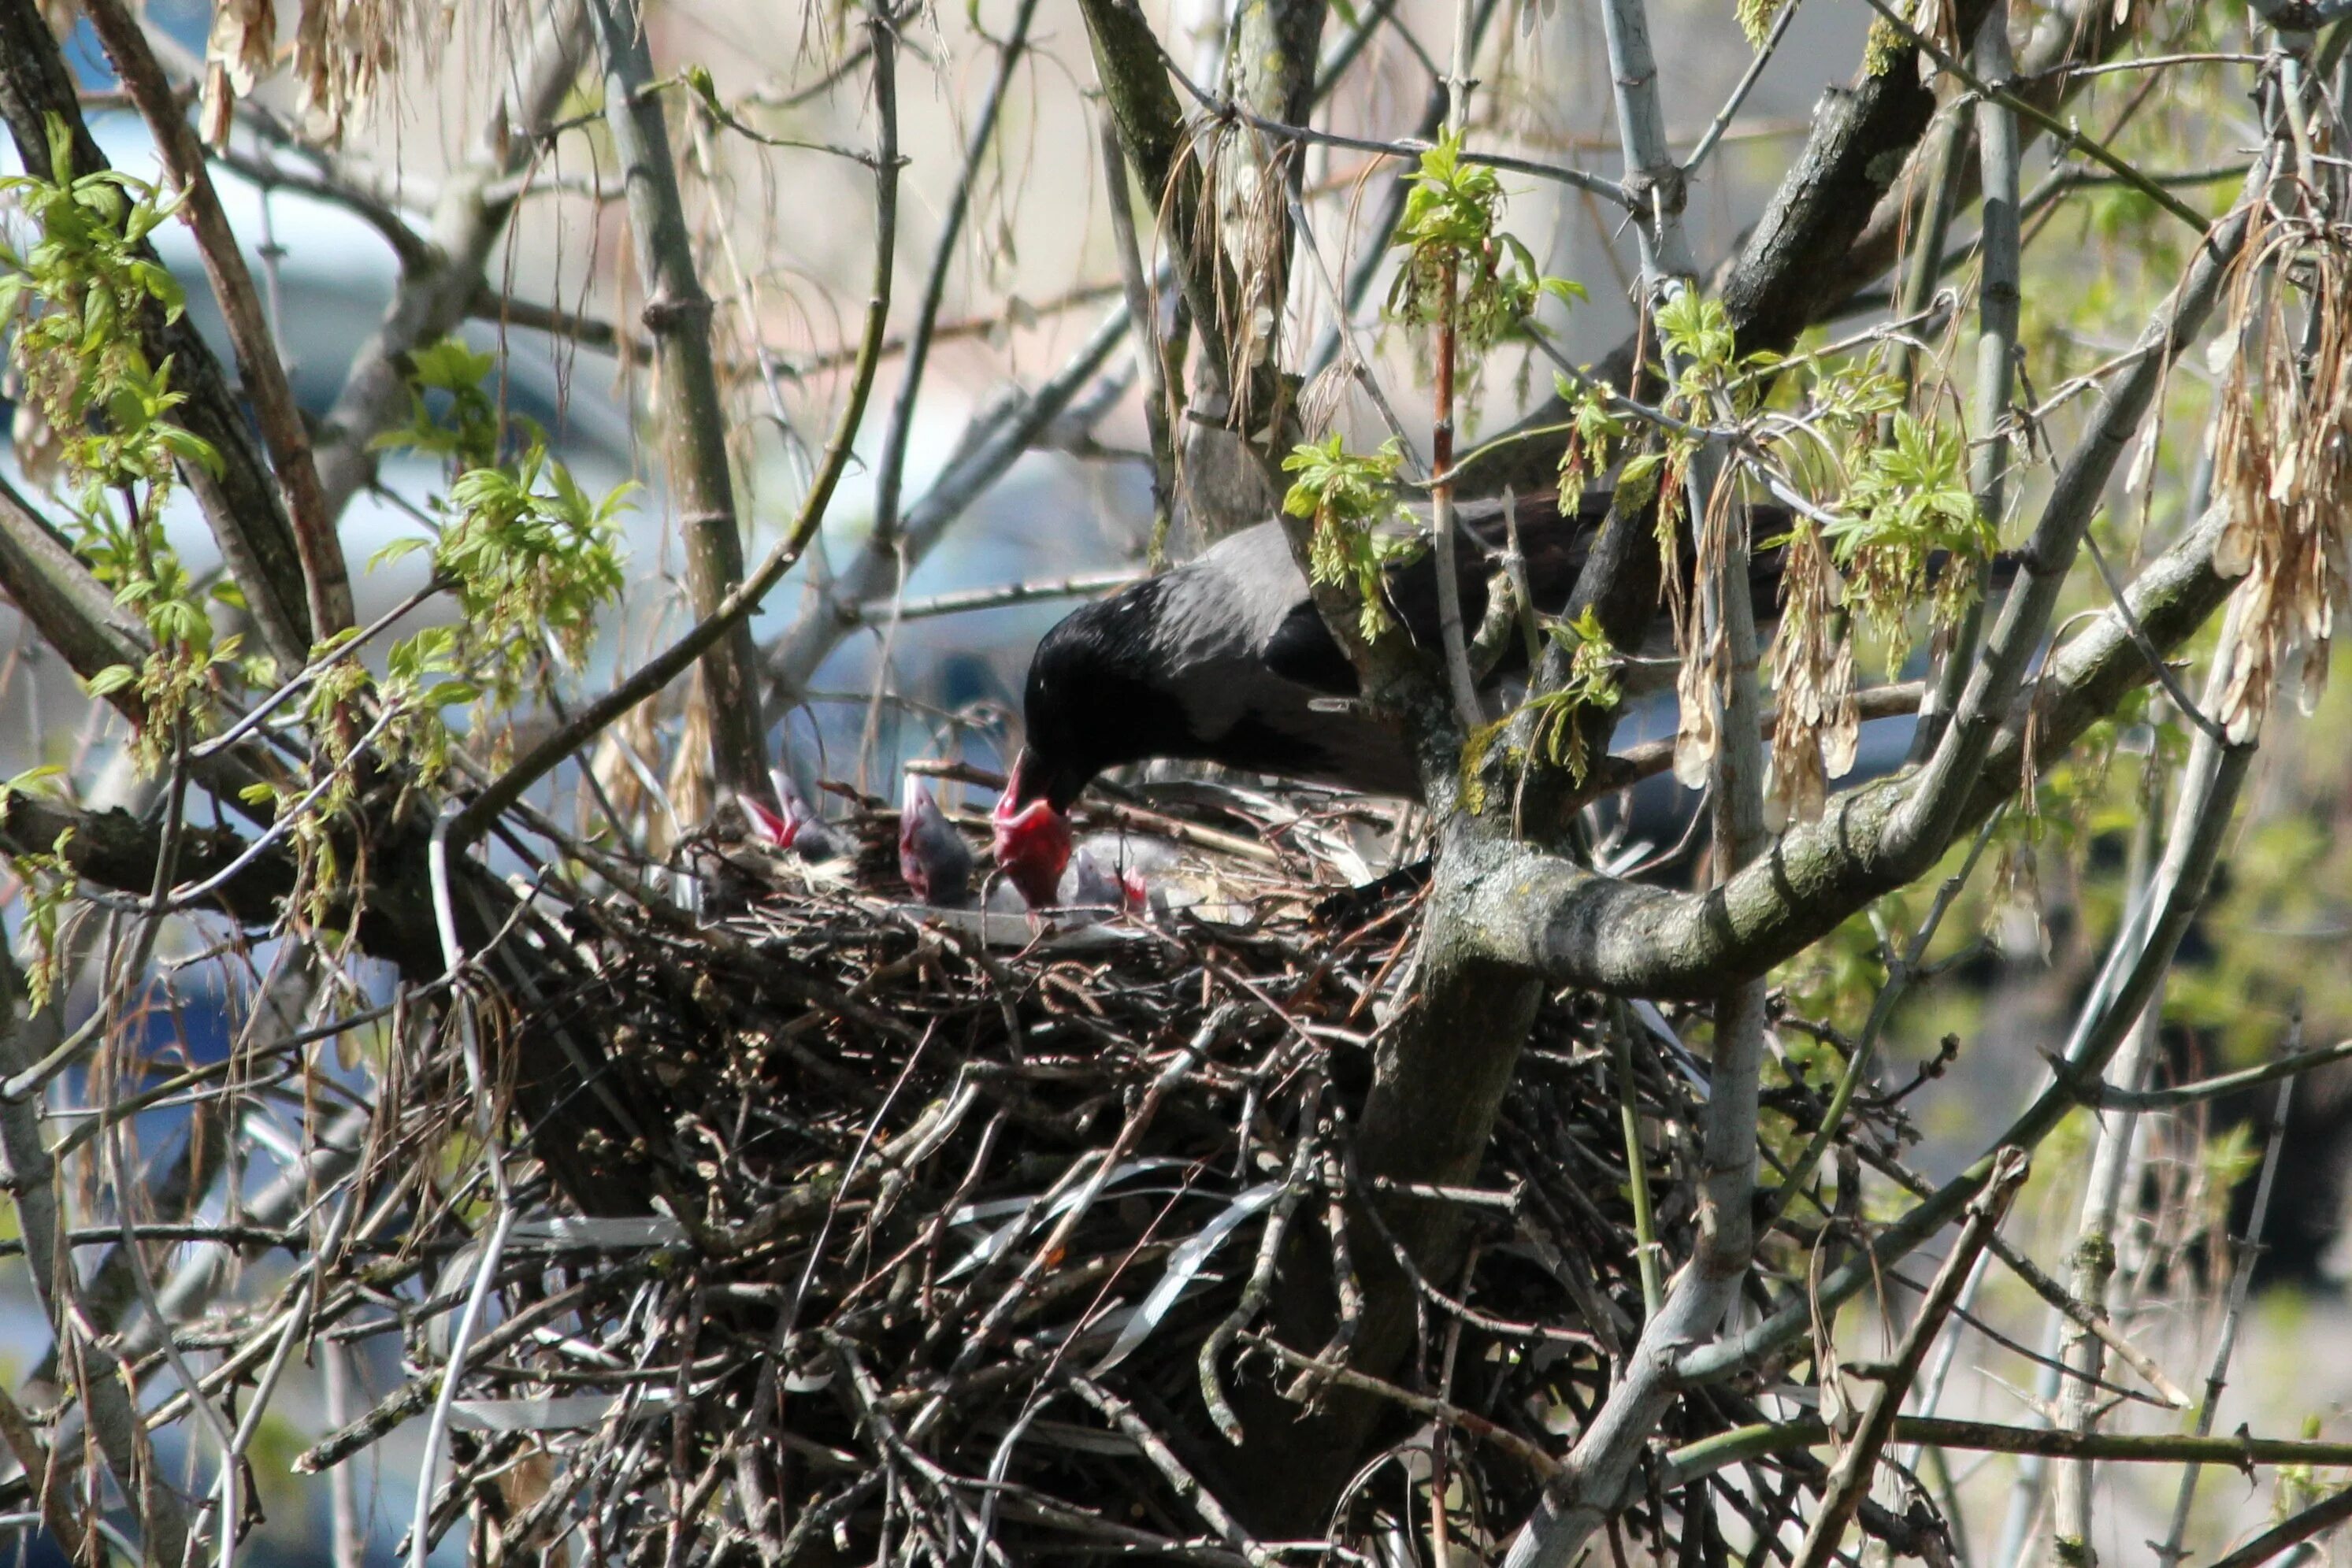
{"type": "Point", "coordinates": [2171, 1551]}
{"type": "Point", "coordinates": [734, 610]}
{"type": "Point", "coordinates": [1850, 1478]}
{"type": "Point", "coordinates": [890, 467]}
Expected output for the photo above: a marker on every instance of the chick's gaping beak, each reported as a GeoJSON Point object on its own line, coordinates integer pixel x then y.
{"type": "Point", "coordinates": [766, 824]}
{"type": "Point", "coordinates": [1033, 836]}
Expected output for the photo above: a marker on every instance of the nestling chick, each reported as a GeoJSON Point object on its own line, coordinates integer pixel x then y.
{"type": "Point", "coordinates": [932, 856]}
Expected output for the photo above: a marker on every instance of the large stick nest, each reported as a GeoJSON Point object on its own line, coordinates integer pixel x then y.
{"type": "Point", "coordinates": [982, 1231]}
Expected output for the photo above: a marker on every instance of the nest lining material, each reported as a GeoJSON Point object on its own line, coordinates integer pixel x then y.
{"type": "Point", "coordinates": [969, 1249]}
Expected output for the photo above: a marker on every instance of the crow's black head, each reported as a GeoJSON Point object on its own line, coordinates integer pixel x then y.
{"type": "Point", "coordinates": [1094, 699]}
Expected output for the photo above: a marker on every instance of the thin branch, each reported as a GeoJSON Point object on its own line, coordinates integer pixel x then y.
{"type": "Point", "coordinates": [2323, 1515]}
{"type": "Point", "coordinates": [2067, 134]}
{"type": "Point", "coordinates": [1713, 135]}
{"type": "Point", "coordinates": [1187, 1486]}
{"type": "Point", "coordinates": [1410, 148]}
{"type": "Point", "coordinates": [2201, 821]}
{"type": "Point", "coordinates": [966, 600]}
{"type": "Point", "coordinates": [29, 1176]}
{"type": "Point", "coordinates": [2242, 1279]}
{"type": "Point", "coordinates": [890, 467]}
{"type": "Point", "coordinates": [267, 173]}
{"type": "Point", "coordinates": [991, 444]}
{"type": "Point", "coordinates": [2094, 1251]}
{"type": "Point", "coordinates": [734, 610]}
{"type": "Point", "coordinates": [1857, 1463]}
{"type": "Point", "coordinates": [2039, 1282]}
{"type": "Point", "coordinates": [1742, 1444]}
{"type": "Point", "coordinates": [588, 331]}
{"type": "Point", "coordinates": [1450, 260]}
{"type": "Point", "coordinates": [2102, 1095]}
{"type": "Point", "coordinates": [1927, 818]}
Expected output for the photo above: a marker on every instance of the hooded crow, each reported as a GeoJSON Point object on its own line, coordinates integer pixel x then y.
{"type": "Point", "coordinates": [1225, 659]}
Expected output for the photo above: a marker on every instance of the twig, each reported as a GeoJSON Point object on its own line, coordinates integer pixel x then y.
{"type": "Point", "coordinates": [2324, 1514]}
{"type": "Point", "coordinates": [588, 331]}
{"type": "Point", "coordinates": [2099, 1095]}
{"type": "Point", "coordinates": [1900, 972]}
{"type": "Point", "coordinates": [354, 195]}
{"type": "Point", "coordinates": [487, 1118]}
{"type": "Point", "coordinates": [2217, 1370]}
{"type": "Point", "coordinates": [963, 600]}
{"type": "Point", "coordinates": [733, 611]}
{"type": "Point", "coordinates": [1188, 1488]}
{"type": "Point", "coordinates": [2156, 660]}
{"type": "Point", "coordinates": [1742, 1444]}
{"type": "Point", "coordinates": [990, 445]}
{"type": "Point", "coordinates": [1049, 1252]}
{"type": "Point", "coordinates": [1850, 1478]}
{"type": "Point", "coordinates": [1637, 1159]}
{"type": "Point", "coordinates": [992, 324]}
{"type": "Point", "coordinates": [1409, 147]}
{"type": "Point", "coordinates": [1747, 84]}
{"type": "Point", "coordinates": [2051, 1292]}
{"type": "Point", "coordinates": [1260, 1286]}
{"type": "Point", "coordinates": [2065, 132]}
{"type": "Point", "coordinates": [1323, 1369]}
{"type": "Point", "coordinates": [890, 467]}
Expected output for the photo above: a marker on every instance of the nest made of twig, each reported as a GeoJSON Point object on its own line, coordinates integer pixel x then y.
{"type": "Point", "coordinates": [981, 1247]}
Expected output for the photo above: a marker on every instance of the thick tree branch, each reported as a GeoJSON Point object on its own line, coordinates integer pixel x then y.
{"type": "Point", "coordinates": [327, 583]}
{"type": "Point", "coordinates": [1576, 927]}
{"type": "Point", "coordinates": [436, 295]}
{"type": "Point", "coordinates": [2200, 823]}
{"type": "Point", "coordinates": [694, 420]}
{"type": "Point", "coordinates": [242, 503]}
{"type": "Point", "coordinates": [1134, 77]}
{"type": "Point", "coordinates": [52, 589]}
{"type": "Point", "coordinates": [1929, 815]}
{"type": "Point", "coordinates": [84, 625]}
